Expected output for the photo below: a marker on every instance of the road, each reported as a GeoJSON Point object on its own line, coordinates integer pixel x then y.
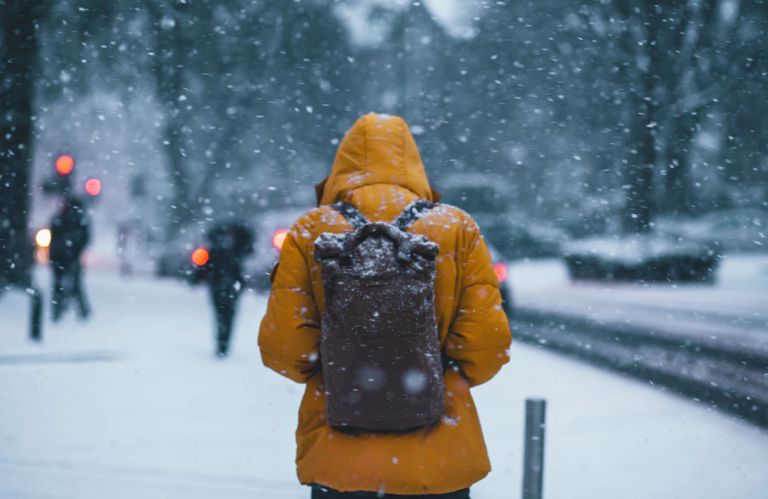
{"type": "Point", "coordinates": [133, 404]}
{"type": "Point", "coordinates": [709, 342]}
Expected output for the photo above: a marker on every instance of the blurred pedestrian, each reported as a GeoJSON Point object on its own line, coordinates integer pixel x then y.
{"type": "Point", "coordinates": [228, 244]}
{"type": "Point", "coordinates": [352, 305]}
{"type": "Point", "coordinates": [70, 234]}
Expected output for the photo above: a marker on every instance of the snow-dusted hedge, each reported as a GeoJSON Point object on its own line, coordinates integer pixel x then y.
{"type": "Point", "coordinates": [641, 258]}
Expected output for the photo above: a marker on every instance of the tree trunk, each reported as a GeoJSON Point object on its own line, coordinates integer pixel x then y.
{"type": "Point", "coordinates": [677, 190]}
{"type": "Point", "coordinates": [638, 175]}
{"type": "Point", "coordinates": [168, 69]}
{"type": "Point", "coordinates": [18, 61]}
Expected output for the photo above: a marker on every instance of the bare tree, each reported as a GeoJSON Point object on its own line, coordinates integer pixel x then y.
{"type": "Point", "coordinates": [168, 18]}
{"type": "Point", "coordinates": [19, 25]}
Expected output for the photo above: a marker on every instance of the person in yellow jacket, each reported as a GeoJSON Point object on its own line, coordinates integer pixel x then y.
{"type": "Point", "coordinates": [378, 170]}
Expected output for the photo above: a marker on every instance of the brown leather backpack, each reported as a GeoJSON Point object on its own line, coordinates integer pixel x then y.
{"type": "Point", "coordinates": [380, 350]}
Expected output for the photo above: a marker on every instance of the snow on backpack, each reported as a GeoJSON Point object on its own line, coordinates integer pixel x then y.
{"type": "Point", "coordinates": [379, 346]}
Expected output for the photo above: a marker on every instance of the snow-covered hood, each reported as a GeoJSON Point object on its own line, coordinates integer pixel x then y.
{"type": "Point", "coordinates": [378, 149]}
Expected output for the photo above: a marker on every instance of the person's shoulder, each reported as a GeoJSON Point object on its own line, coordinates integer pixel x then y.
{"type": "Point", "coordinates": [310, 224]}
{"type": "Point", "coordinates": [319, 214]}
{"type": "Point", "coordinates": [452, 228]}
{"type": "Point", "coordinates": [314, 217]}
{"type": "Point", "coordinates": [454, 215]}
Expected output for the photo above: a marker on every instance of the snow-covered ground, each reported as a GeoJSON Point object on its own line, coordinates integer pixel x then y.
{"type": "Point", "coordinates": [133, 404]}
{"type": "Point", "coordinates": [737, 305]}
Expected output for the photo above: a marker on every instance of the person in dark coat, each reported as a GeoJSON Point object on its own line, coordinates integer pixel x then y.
{"type": "Point", "coordinates": [70, 234]}
{"type": "Point", "coordinates": [229, 243]}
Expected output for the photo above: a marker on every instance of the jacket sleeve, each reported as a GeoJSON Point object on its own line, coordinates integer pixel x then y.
{"type": "Point", "coordinates": [289, 336]}
{"type": "Point", "coordinates": [479, 338]}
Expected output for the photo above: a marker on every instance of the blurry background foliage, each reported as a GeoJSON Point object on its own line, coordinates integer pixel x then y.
{"type": "Point", "coordinates": [599, 114]}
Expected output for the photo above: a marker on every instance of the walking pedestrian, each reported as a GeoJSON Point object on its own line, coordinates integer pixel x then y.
{"type": "Point", "coordinates": [70, 234]}
{"type": "Point", "coordinates": [229, 243]}
{"type": "Point", "coordinates": [385, 305]}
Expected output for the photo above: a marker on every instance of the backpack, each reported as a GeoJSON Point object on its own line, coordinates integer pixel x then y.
{"type": "Point", "coordinates": [379, 345]}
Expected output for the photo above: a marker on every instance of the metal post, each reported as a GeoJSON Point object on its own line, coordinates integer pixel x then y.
{"type": "Point", "coordinates": [533, 460]}
{"type": "Point", "coordinates": [36, 316]}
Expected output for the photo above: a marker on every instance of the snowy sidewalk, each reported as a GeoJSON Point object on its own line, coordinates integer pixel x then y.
{"type": "Point", "coordinates": [737, 305]}
{"type": "Point", "coordinates": [132, 404]}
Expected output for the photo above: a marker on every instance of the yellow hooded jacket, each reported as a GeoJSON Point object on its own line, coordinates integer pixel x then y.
{"type": "Point", "coordinates": [378, 169]}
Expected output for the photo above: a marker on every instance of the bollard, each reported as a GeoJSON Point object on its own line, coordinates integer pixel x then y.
{"type": "Point", "coordinates": [36, 316]}
{"type": "Point", "coordinates": [533, 458]}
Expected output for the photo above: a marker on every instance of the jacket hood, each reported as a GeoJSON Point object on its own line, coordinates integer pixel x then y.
{"type": "Point", "coordinates": [378, 149]}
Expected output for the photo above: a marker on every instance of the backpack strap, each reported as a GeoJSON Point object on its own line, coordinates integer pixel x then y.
{"type": "Point", "coordinates": [352, 214]}
{"type": "Point", "coordinates": [412, 212]}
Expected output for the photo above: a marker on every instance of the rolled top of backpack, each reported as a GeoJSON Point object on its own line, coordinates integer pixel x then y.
{"type": "Point", "coordinates": [329, 246]}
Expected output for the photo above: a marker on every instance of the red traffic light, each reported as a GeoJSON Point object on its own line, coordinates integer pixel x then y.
{"type": "Point", "coordinates": [200, 256]}
{"type": "Point", "coordinates": [93, 187]}
{"type": "Point", "coordinates": [278, 238]}
{"type": "Point", "coordinates": [65, 164]}
{"type": "Point", "coordinates": [502, 271]}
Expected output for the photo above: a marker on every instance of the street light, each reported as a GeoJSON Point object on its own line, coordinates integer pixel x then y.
{"type": "Point", "coordinates": [200, 256]}
{"type": "Point", "coordinates": [278, 238]}
{"type": "Point", "coordinates": [93, 187]}
{"type": "Point", "coordinates": [43, 238]}
{"type": "Point", "coordinates": [65, 164]}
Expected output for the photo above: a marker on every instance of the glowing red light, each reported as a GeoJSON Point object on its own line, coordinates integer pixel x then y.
{"type": "Point", "coordinates": [278, 238]}
{"type": "Point", "coordinates": [93, 186]}
{"type": "Point", "coordinates": [65, 164]}
{"type": "Point", "coordinates": [502, 271]}
{"type": "Point", "coordinates": [200, 256]}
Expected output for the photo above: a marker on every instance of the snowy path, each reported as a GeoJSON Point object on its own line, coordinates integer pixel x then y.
{"type": "Point", "coordinates": [132, 404]}
{"type": "Point", "coordinates": [736, 305]}
{"type": "Point", "coordinates": [707, 341]}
